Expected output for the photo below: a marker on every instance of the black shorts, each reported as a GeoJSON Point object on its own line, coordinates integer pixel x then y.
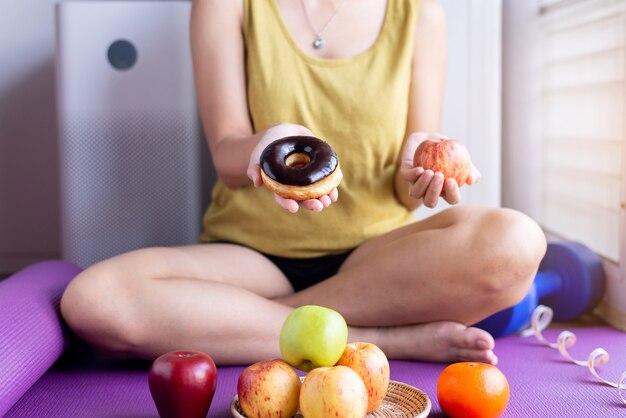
{"type": "Point", "coordinates": [305, 272]}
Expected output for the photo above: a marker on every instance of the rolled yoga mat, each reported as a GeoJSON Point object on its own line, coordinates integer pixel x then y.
{"type": "Point", "coordinates": [31, 331]}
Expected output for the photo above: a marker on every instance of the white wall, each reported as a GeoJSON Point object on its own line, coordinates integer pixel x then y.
{"type": "Point", "coordinates": [521, 115]}
{"type": "Point", "coordinates": [29, 206]}
{"type": "Point", "coordinates": [29, 184]}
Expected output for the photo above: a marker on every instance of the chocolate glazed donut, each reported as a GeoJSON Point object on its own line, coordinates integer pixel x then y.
{"type": "Point", "coordinates": [300, 168]}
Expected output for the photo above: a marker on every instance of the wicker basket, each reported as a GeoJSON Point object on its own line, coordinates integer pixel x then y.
{"type": "Point", "coordinates": [401, 401]}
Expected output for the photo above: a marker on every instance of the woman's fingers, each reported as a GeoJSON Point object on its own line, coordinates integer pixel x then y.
{"type": "Point", "coordinates": [288, 204]}
{"type": "Point", "coordinates": [474, 176]}
{"type": "Point", "coordinates": [411, 175]}
{"type": "Point", "coordinates": [334, 195]}
{"type": "Point", "coordinates": [429, 186]}
{"type": "Point", "coordinates": [325, 201]}
{"type": "Point", "coordinates": [418, 189]}
{"type": "Point", "coordinates": [431, 197]}
{"type": "Point", "coordinates": [254, 173]}
{"type": "Point", "coordinates": [451, 192]}
{"type": "Point", "coordinates": [315, 205]}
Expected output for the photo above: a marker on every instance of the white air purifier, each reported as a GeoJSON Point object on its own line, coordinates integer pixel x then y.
{"type": "Point", "coordinates": [131, 146]}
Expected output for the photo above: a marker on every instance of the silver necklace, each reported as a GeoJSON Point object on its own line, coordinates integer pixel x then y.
{"type": "Point", "coordinates": [319, 41]}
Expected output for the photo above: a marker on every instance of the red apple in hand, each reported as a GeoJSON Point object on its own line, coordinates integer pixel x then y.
{"type": "Point", "coordinates": [371, 364]}
{"type": "Point", "coordinates": [447, 156]}
{"type": "Point", "coordinates": [182, 384]}
{"type": "Point", "coordinates": [269, 389]}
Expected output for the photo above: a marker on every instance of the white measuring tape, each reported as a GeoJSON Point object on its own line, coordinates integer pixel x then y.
{"type": "Point", "coordinates": [541, 318]}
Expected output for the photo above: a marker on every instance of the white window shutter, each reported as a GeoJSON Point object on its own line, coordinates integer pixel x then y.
{"type": "Point", "coordinates": [582, 129]}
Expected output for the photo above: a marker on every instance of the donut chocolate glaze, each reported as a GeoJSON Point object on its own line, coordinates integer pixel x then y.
{"type": "Point", "coordinates": [300, 167]}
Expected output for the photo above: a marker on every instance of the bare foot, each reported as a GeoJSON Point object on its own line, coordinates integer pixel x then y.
{"type": "Point", "coordinates": [444, 341]}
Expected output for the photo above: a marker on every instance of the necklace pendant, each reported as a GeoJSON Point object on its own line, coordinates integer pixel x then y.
{"type": "Point", "coordinates": [318, 43]}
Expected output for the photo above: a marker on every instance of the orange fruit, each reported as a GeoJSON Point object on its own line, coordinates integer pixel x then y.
{"type": "Point", "coordinates": [472, 390]}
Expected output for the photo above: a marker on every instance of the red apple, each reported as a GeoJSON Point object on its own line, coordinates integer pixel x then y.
{"type": "Point", "coordinates": [336, 391]}
{"type": "Point", "coordinates": [182, 384]}
{"type": "Point", "coordinates": [447, 156]}
{"type": "Point", "coordinates": [371, 364]}
{"type": "Point", "coordinates": [269, 389]}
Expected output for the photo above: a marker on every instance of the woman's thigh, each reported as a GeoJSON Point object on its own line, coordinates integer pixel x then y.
{"type": "Point", "coordinates": [152, 300]}
{"type": "Point", "coordinates": [444, 219]}
{"type": "Point", "coordinates": [462, 264]}
{"type": "Point", "coordinates": [230, 264]}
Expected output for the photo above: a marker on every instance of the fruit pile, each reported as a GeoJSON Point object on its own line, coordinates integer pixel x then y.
{"type": "Point", "coordinates": [345, 380]}
{"type": "Point", "coordinates": [342, 380]}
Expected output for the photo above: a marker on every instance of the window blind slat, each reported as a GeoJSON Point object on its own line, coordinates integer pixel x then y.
{"type": "Point", "coordinates": [547, 6]}
{"type": "Point", "coordinates": [597, 190]}
{"type": "Point", "coordinates": [588, 70]}
{"type": "Point", "coordinates": [596, 157]}
{"type": "Point", "coordinates": [594, 111]}
{"type": "Point", "coordinates": [578, 13]}
{"type": "Point", "coordinates": [592, 226]}
{"type": "Point", "coordinates": [599, 35]}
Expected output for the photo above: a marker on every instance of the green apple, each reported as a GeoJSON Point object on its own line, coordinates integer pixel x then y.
{"type": "Point", "coordinates": [313, 336]}
{"type": "Point", "coordinates": [333, 392]}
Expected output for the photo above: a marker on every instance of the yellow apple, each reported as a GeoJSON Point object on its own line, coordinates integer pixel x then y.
{"type": "Point", "coordinates": [372, 366]}
{"type": "Point", "coordinates": [269, 389]}
{"type": "Point", "coordinates": [333, 392]}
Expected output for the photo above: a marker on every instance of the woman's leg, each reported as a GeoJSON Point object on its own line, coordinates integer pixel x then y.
{"type": "Point", "coordinates": [215, 298]}
{"type": "Point", "coordinates": [231, 301]}
{"type": "Point", "coordinates": [446, 272]}
{"type": "Point", "coordinates": [212, 297]}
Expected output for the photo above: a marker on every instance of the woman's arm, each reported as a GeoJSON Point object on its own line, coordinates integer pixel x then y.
{"type": "Point", "coordinates": [217, 47]}
{"type": "Point", "coordinates": [218, 52]}
{"type": "Point", "coordinates": [426, 94]}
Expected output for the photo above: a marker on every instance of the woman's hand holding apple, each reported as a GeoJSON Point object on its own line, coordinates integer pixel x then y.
{"type": "Point", "coordinates": [447, 167]}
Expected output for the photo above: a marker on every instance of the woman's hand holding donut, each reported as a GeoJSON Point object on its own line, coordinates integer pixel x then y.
{"type": "Point", "coordinates": [426, 184]}
{"type": "Point", "coordinates": [315, 205]}
{"type": "Point", "coordinates": [254, 170]}
{"type": "Point", "coordinates": [270, 135]}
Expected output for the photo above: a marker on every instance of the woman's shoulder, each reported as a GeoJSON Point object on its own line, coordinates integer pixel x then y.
{"type": "Point", "coordinates": [431, 11]}
{"type": "Point", "coordinates": [219, 11]}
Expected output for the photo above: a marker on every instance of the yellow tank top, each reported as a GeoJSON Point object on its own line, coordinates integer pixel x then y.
{"type": "Point", "coordinates": [358, 105]}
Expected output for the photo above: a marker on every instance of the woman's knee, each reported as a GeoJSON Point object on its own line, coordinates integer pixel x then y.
{"type": "Point", "coordinates": [508, 249]}
{"type": "Point", "coordinates": [94, 305]}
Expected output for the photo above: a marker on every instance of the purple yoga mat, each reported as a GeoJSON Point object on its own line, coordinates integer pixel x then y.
{"type": "Point", "coordinates": [31, 335]}
{"type": "Point", "coordinates": [542, 384]}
